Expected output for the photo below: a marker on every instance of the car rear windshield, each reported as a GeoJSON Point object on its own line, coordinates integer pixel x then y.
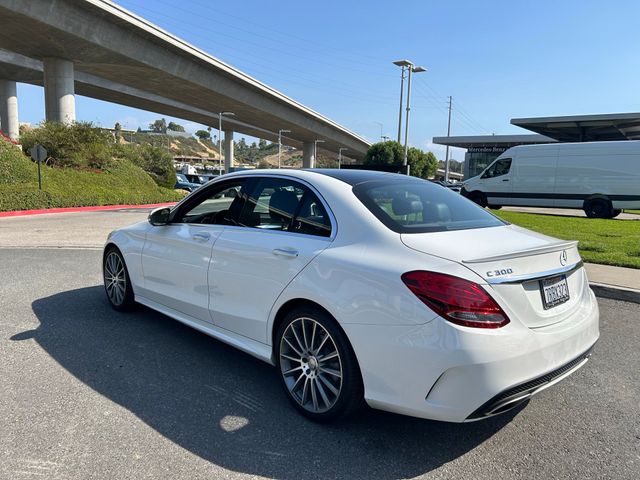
{"type": "Point", "coordinates": [419, 206]}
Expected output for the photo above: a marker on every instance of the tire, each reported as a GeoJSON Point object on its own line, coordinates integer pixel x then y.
{"type": "Point", "coordinates": [598, 208]}
{"type": "Point", "coordinates": [317, 367]}
{"type": "Point", "coordinates": [117, 284]}
{"type": "Point", "coordinates": [615, 213]}
{"type": "Point", "coordinates": [495, 207]}
{"type": "Point", "coordinates": [479, 198]}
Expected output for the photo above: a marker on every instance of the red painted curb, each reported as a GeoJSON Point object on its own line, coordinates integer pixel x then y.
{"type": "Point", "coordinates": [19, 213]}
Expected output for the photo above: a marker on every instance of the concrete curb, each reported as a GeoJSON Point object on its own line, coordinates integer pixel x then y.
{"type": "Point", "coordinates": [615, 292]}
{"type": "Point", "coordinates": [20, 213]}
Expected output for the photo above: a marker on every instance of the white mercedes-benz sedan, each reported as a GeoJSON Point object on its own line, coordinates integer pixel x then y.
{"type": "Point", "coordinates": [364, 286]}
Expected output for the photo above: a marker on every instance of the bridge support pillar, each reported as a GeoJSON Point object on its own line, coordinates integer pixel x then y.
{"type": "Point", "coordinates": [59, 94]}
{"type": "Point", "coordinates": [308, 155]}
{"type": "Point", "coordinates": [228, 150]}
{"type": "Point", "coordinates": [9, 109]}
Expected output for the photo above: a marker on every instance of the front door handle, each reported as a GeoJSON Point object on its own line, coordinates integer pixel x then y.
{"type": "Point", "coordinates": [201, 236]}
{"type": "Point", "coordinates": [505, 179]}
{"type": "Point", "coordinates": [285, 252]}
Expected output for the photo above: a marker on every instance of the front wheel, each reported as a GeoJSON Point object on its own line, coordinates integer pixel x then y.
{"type": "Point", "coordinates": [318, 369]}
{"type": "Point", "coordinates": [117, 283]}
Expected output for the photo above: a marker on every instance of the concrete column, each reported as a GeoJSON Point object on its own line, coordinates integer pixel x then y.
{"type": "Point", "coordinates": [308, 159]}
{"type": "Point", "coordinates": [228, 150]}
{"type": "Point", "coordinates": [9, 109]}
{"type": "Point", "coordinates": [59, 98]}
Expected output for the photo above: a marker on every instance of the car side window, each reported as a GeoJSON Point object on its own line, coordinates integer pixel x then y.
{"type": "Point", "coordinates": [499, 168]}
{"type": "Point", "coordinates": [219, 205]}
{"type": "Point", "coordinates": [312, 218]}
{"type": "Point", "coordinates": [285, 205]}
{"type": "Point", "coordinates": [272, 204]}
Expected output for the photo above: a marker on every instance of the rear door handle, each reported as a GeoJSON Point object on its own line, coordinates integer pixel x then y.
{"type": "Point", "coordinates": [505, 179]}
{"type": "Point", "coordinates": [285, 252]}
{"type": "Point", "coordinates": [201, 236]}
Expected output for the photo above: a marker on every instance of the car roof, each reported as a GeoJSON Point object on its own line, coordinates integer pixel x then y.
{"type": "Point", "coordinates": [351, 177]}
{"type": "Point", "coordinates": [354, 177]}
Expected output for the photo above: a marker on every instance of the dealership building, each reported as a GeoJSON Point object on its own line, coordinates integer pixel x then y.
{"type": "Point", "coordinates": [484, 149]}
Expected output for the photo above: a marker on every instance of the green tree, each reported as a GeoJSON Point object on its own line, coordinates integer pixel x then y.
{"type": "Point", "coordinates": [203, 135]}
{"type": "Point", "coordinates": [159, 126]}
{"type": "Point", "coordinates": [174, 127]}
{"type": "Point", "coordinates": [422, 164]}
{"type": "Point", "coordinates": [385, 153]}
{"type": "Point", "coordinates": [262, 144]}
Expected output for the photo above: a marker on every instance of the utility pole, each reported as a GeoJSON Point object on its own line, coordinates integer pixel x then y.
{"type": "Point", "coordinates": [446, 158]}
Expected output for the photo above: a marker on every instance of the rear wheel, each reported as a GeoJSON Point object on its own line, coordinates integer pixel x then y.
{"type": "Point", "coordinates": [318, 369]}
{"type": "Point", "coordinates": [495, 207]}
{"type": "Point", "coordinates": [598, 208]}
{"type": "Point", "coordinates": [117, 284]}
{"type": "Point", "coordinates": [615, 213]}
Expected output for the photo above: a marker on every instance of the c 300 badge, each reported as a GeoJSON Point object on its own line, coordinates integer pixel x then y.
{"type": "Point", "coordinates": [499, 273]}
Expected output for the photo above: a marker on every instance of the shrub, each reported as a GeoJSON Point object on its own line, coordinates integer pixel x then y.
{"type": "Point", "coordinates": [156, 161]}
{"type": "Point", "coordinates": [14, 166]}
{"type": "Point", "coordinates": [79, 145]}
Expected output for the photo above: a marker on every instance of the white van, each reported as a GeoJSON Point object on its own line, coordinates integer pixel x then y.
{"type": "Point", "coordinates": [602, 178]}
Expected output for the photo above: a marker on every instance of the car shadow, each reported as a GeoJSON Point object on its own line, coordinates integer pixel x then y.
{"type": "Point", "coordinates": [227, 407]}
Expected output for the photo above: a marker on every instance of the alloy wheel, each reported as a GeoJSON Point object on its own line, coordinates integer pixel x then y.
{"type": "Point", "coordinates": [311, 365]}
{"type": "Point", "coordinates": [115, 278]}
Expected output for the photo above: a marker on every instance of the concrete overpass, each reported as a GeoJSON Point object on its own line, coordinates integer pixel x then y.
{"type": "Point", "coordinates": [97, 49]}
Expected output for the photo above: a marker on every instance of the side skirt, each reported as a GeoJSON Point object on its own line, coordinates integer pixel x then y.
{"type": "Point", "coordinates": [253, 348]}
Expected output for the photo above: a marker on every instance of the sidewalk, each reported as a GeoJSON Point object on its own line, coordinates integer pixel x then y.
{"type": "Point", "coordinates": [614, 282]}
{"type": "Point", "coordinates": [564, 212]}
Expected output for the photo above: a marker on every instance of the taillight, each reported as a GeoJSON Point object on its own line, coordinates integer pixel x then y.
{"type": "Point", "coordinates": [456, 299]}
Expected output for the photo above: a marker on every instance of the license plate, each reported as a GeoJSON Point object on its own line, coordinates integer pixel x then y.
{"type": "Point", "coordinates": [554, 291]}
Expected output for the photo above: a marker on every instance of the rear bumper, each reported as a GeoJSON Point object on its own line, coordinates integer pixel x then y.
{"type": "Point", "coordinates": [445, 372]}
{"type": "Point", "coordinates": [518, 394]}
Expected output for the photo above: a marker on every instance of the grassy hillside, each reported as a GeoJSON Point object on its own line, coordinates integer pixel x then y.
{"type": "Point", "coordinates": [119, 182]}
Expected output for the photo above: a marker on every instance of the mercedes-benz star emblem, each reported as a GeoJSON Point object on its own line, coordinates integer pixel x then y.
{"type": "Point", "coordinates": [563, 258]}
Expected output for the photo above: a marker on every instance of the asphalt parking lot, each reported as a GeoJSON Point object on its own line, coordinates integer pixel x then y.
{"type": "Point", "coordinates": [90, 393]}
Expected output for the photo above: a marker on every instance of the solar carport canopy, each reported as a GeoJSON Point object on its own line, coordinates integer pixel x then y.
{"type": "Point", "coordinates": [585, 128]}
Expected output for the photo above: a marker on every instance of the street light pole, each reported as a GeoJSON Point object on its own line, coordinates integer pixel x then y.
{"type": "Point", "coordinates": [340, 156]}
{"type": "Point", "coordinates": [403, 64]}
{"type": "Point", "coordinates": [220, 115]}
{"type": "Point", "coordinates": [412, 69]}
{"type": "Point", "coordinates": [280, 132]}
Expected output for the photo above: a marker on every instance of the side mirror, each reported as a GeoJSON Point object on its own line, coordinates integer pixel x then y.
{"type": "Point", "coordinates": [160, 216]}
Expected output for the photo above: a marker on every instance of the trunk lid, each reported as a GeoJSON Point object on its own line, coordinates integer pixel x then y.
{"type": "Point", "coordinates": [513, 262]}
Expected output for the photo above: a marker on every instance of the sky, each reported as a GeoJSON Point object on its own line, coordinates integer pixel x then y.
{"type": "Point", "coordinates": [497, 59]}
